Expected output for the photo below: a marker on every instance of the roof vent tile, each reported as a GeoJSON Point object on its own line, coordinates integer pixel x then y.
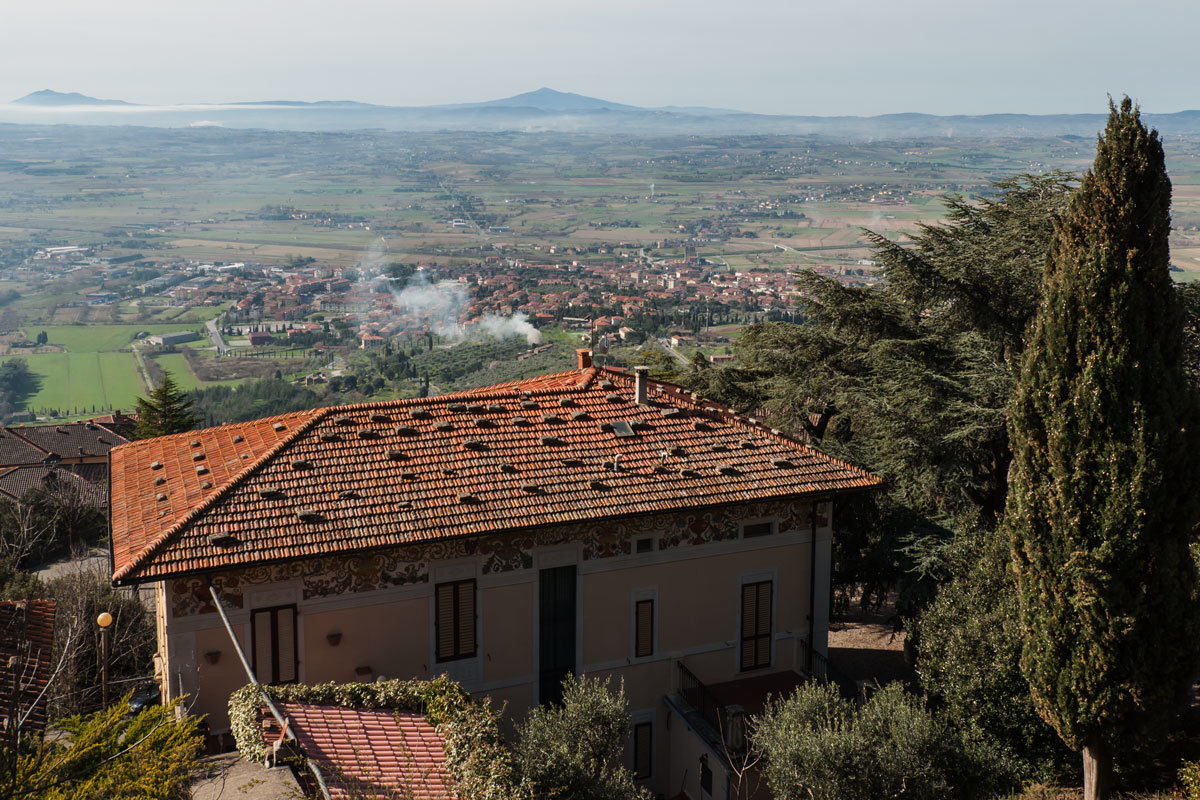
{"type": "Point", "coordinates": [155, 465]}
{"type": "Point", "coordinates": [396, 455]}
{"type": "Point", "coordinates": [201, 469]}
{"type": "Point", "coordinates": [566, 402]}
{"type": "Point", "coordinates": [238, 438]}
{"type": "Point", "coordinates": [469, 499]}
{"type": "Point", "coordinates": [330, 436]}
{"type": "Point", "coordinates": [529, 405]}
{"type": "Point", "coordinates": [223, 539]}
{"type": "Point", "coordinates": [349, 494]}
{"type": "Point", "coordinates": [496, 408]}
{"type": "Point", "coordinates": [519, 421]}
{"type": "Point", "coordinates": [613, 397]}
{"type": "Point", "coordinates": [552, 440]}
{"type": "Point", "coordinates": [581, 414]}
{"type": "Point", "coordinates": [206, 484]}
{"type": "Point", "coordinates": [781, 462]}
{"type": "Point", "coordinates": [456, 407]}
{"type": "Point", "coordinates": [640, 423]}
{"type": "Point", "coordinates": [160, 480]}
{"type": "Point", "coordinates": [308, 515]}
{"type": "Point", "coordinates": [474, 444]}
{"type": "Point", "coordinates": [510, 468]}
{"type": "Point", "coordinates": [269, 492]}
{"type": "Point", "coordinates": [342, 419]}
{"type": "Point", "coordinates": [197, 456]}
{"type": "Point", "coordinates": [670, 411]}
{"type": "Point", "coordinates": [531, 488]}
{"type": "Point", "coordinates": [302, 464]}
{"type": "Point", "coordinates": [196, 442]}
{"type": "Point", "coordinates": [728, 469]}
{"type": "Point", "coordinates": [476, 408]}
{"type": "Point", "coordinates": [160, 497]}
{"type": "Point", "coordinates": [689, 473]}
{"type": "Point", "coordinates": [572, 462]}
{"type": "Point", "coordinates": [443, 425]}
{"type": "Point", "coordinates": [484, 422]}
{"type": "Point", "coordinates": [379, 416]}
{"type": "Point", "coordinates": [368, 433]}
{"type": "Point", "coordinates": [419, 413]}
{"type": "Point", "coordinates": [551, 418]}
{"type": "Point", "coordinates": [606, 384]}
{"type": "Point", "coordinates": [406, 430]}
{"type": "Point", "coordinates": [408, 476]}
{"type": "Point", "coordinates": [747, 444]}
{"type": "Point", "coordinates": [279, 426]}
{"type": "Point", "coordinates": [598, 484]}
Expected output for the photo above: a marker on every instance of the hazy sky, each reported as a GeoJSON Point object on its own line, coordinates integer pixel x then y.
{"type": "Point", "coordinates": [774, 56]}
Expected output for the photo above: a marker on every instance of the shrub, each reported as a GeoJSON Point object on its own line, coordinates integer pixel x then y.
{"type": "Point", "coordinates": [818, 745]}
{"type": "Point", "coordinates": [574, 751]}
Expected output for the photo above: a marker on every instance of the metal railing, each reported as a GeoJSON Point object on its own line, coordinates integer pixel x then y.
{"type": "Point", "coordinates": [814, 662]}
{"type": "Point", "coordinates": [700, 698]}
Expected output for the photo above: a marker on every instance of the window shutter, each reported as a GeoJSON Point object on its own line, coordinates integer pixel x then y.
{"type": "Point", "coordinates": [645, 629]}
{"type": "Point", "coordinates": [263, 667]}
{"type": "Point", "coordinates": [466, 619]}
{"type": "Point", "coordinates": [756, 624]}
{"type": "Point", "coordinates": [445, 621]}
{"type": "Point", "coordinates": [762, 655]}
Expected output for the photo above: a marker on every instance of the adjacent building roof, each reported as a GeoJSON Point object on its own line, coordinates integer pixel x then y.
{"type": "Point", "coordinates": [379, 753]}
{"type": "Point", "coordinates": [71, 440]}
{"type": "Point", "coordinates": [15, 451]}
{"type": "Point", "coordinates": [26, 650]}
{"type": "Point", "coordinates": [16, 481]}
{"type": "Point", "coordinates": [561, 448]}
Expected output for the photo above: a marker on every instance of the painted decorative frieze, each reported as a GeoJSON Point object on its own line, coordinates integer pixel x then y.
{"type": "Point", "coordinates": [408, 565]}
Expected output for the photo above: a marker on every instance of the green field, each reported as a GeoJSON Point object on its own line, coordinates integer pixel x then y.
{"type": "Point", "coordinates": [182, 373]}
{"type": "Point", "coordinates": [101, 338]}
{"type": "Point", "coordinates": [80, 383]}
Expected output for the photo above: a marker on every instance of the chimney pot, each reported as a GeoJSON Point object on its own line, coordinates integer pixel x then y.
{"type": "Point", "coordinates": [641, 381]}
{"type": "Point", "coordinates": [585, 357]}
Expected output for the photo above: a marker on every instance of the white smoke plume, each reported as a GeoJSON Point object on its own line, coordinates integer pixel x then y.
{"type": "Point", "coordinates": [441, 305]}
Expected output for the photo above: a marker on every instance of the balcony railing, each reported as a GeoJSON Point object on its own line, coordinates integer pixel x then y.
{"type": "Point", "coordinates": [700, 698]}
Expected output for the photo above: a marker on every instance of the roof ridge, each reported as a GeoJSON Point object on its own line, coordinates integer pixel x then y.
{"type": "Point", "coordinates": [316, 415]}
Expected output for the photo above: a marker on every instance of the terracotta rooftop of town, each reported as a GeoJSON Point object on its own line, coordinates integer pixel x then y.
{"type": "Point", "coordinates": [16, 481]}
{"type": "Point", "coordinates": [70, 439]}
{"type": "Point", "coordinates": [26, 651]}
{"type": "Point", "coordinates": [379, 753]}
{"type": "Point", "coordinates": [560, 448]}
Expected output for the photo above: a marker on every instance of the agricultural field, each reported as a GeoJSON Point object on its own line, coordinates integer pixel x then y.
{"type": "Point", "coordinates": [82, 384]}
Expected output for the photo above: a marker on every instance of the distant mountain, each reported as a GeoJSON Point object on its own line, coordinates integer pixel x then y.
{"type": "Point", "coordinates": [551, 110]}
{"type": "Point", "coordinates": [49, 97]}
{"type": "Point", "coordinates": [546, 99]}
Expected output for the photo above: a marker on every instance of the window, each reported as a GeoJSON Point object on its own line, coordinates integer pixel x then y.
{"type": "Point", "coordinates": [644, 633]}
{"type": "Point", "coordinates": [756, 625]}
{"type": "Point", "coordinates": [705, 776]}
{"type": "Point", "coordinates": [273, 635]}
{"type": "Point", "coordinates": [455, 615]}
{"type": "Point", "coordinates": [645, 545]}
{"type": "Point", "coordinates": [753, 529]}
{"type": "Point", "coordinates": [643, 751]}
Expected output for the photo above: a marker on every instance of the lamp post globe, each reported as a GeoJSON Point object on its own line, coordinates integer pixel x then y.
{"type": "Point", "coordinates": [104, 620]}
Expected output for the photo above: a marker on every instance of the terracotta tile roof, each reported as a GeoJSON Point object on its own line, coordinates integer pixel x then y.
{"type": "Point", "coordinates": [230, 451]}
{"type": "Point", "coordinates": [376, 753]}
{"type": "Point", "coordinates": [560, 448]}
{"type": "Point", "coordinates": [26, 650]}
{"type": "Point", "coordinates": [71, 439]}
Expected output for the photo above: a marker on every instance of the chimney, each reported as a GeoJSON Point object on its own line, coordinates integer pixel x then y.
{"type": "Point", "coordinates": [640, 381]}
{"type": "Point", "coordinates": [585, 357]}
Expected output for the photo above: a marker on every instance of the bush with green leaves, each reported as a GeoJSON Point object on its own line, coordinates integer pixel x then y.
{"type": "Point", "coordinates": [109, 755]}
{"type": "Point", "coordinates": [817, 745]}
{"type": "Point", "coordinates": [574, 751]}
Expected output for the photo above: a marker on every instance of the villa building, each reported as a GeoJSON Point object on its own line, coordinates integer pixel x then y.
{"type": "Point", "coordinates": [587, 522]}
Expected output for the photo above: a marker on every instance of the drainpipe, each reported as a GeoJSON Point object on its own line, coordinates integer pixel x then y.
{"type": "Point", "coordinates": [283, 724]}
{"type": "Point", "coordinates": [812, 591]}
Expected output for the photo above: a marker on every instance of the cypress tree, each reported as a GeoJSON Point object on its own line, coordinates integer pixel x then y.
{"type": "Point", "coordinates": [166, 410]}
{"type": "Point", "coordinates": [1101, 507]}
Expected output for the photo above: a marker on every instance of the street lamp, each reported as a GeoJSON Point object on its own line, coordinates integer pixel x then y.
{"type": "Point", "coordinates": [105, 621]}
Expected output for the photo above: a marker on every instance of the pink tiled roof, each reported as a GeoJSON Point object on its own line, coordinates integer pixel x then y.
{"type": "Point", "coordinates": [375, 753]}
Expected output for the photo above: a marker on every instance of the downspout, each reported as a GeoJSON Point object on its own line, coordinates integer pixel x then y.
{"type": "Point", "coordinates": [812, 590]}
{"type": "Point", "coordinates": [283, 724]}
